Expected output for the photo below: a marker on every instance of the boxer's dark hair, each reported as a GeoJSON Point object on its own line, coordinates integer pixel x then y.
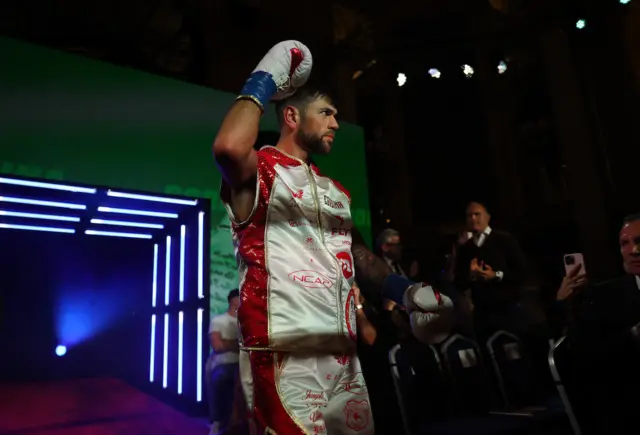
{"type": "Point", "coordinates": [631, 218]}
{"type": "Point", "coordinates": [301, 99]}
{"type": "Point", "coordinates": [235, 293]}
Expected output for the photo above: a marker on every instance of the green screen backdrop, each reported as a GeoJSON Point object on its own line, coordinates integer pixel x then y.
{"type": "Point", "coordinates": [66, 117]}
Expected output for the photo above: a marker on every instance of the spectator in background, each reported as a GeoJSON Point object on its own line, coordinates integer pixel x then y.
{"type": "Point", "coordinates": [222, 366]}
{"type": "Point", "coordinates": [390, 247]}
{"type": "Point", "coordinates": [604, 338]}
{"type": "Point", "coordinates": [490, 266]}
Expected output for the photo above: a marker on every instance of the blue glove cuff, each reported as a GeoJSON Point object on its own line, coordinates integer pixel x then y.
{"type": "Point", "coordinates": [259, 88]}
{"type": "Point", "coordinates": [394, 287]}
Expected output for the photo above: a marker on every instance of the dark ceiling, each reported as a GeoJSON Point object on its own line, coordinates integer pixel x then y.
{"type": "Point", "coordinates": [173, 37]}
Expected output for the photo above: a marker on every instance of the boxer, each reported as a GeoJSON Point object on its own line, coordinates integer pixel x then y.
{"type": "Point", "coordinates": [298, 255]}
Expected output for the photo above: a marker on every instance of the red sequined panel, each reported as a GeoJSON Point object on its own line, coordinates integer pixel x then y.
{"type": "Point", "coordinates": [253, 311]}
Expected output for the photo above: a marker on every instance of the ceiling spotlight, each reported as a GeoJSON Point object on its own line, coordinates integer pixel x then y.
{"type": "Point", "coordinates": [467, 70]}
{"type": "Point", "coordinates": [402, 79]}
{"type": "Point", "coordinates": [624, 2]}
{"type": "Point", "coordinates": [433, 72]}
{"type": "Point", "coordinates": [502, 67]}
{"type": "Point", "coordinates": [581, 24]}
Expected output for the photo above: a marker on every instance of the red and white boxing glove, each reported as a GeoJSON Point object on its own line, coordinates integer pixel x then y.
{"type": "Point", "coordinates": [286, 67]}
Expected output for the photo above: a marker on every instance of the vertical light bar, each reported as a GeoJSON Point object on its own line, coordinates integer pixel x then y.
{"type": "Point", "coordinates": [201, 255]}
{"type": "Point", "coordinates": [183, 236]}
{"type": "Point", "coordinates": [167, 272]}
{"type": "Point", "coordinates": [152, 358]}
{"type": "Point", "coordinates": [199, 354]}
{"type": "Point", "coordinates": [154, 296]}
{"type": "Point", "coordinates": [180, 334]}
{"type": "Point", "coordinates": [165, 352]}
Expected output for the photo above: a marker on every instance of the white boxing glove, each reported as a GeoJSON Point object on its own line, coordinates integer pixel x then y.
{"type": "Point", "coordinates": [286, 67]}
{"type": "Point", "coordinates": [431, 328]}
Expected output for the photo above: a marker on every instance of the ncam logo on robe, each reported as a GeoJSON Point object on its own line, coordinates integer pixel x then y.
{"type": "Point", "coordinates": [310, 279]}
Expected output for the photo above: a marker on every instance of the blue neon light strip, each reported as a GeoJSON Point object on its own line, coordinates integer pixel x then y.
{"type": "Point", "coordinates": [138, 212]}
{"type": "Point", "coordinates": [117, 234]}
{"type": "Point", "coordinates": [126, 224]}
{"type": "Point", "coordinates": [165, 352]}
{"type": "Point", "coordinates": [152, 198]}
{"type": "Point", "coordinates": [37, 228]}
{"type": "Point", "coordinates": [43, 203]}
{"type": "Point", "coordinates": [152, 358]}
{"type": "Point", "coordinates": [199, 355]}
{"type": "Point", "coordinates": [42, 185]}
{"type": "Point", "coordinates": [167, 272]}
{"type": "Point", "coordinates": [51, 217]}
{"type": "Point", "coordinates": [201, 255]}
{"type": "Point", "coordinates": [183, 235]}
{"type": "Point", "coordinates": [180, 346]}
{"type": "Point", "coordinates": [154, 296]}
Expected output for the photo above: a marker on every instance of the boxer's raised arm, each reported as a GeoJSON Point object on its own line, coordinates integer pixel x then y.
{"type": "Point", "coordinates": [233, 146]}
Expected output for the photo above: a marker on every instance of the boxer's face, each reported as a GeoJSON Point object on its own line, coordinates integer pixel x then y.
{"type": "Point", "coordinates": [317, 127]}
{"type": "Point", "coordinates": [630, 247]}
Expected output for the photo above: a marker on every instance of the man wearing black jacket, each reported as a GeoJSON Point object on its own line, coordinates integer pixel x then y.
{"type": "Point", "coordinates": [491, 266]}
{"type": "Point", "coordinates": [605, 346]}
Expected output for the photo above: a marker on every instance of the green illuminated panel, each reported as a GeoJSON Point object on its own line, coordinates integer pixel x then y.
{"type": "Point", "coordinates": [65, 117]}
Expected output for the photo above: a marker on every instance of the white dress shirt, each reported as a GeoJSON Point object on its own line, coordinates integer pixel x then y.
{"type": "Point", "coordinates": [638, 281]}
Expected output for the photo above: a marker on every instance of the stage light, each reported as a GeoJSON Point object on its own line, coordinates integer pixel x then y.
{"type": "Point", "coordinates": [625, 2]}
{"type": "Point", "coordinates": [183, 235]}
{"type": "Point", "coordinates": [51, 217]}
{"type": "Point", "coordinates": [43, 203]}
{"type": "Point", "coordinates": [154, 295]}
{"type": "Point", "coordinates": [152, 198]}
{"type": "Point", "coordinates": [199, 357]}
{"type": "Point", "coordinates": [117, 234]}
{"type": "Point", "coordinates": [165, 351]}
{"type": "Point", "coordinates": [37, 228]}
{"type": "Point", "coordinates": [435, 73]}
{"type": "Point", "coordinates": [402, 79]}
{"type": "Point", "coordinates": [180, 345]}
{"type": "Point", "coordinates": [467, 70]}
{"type": "Point", "coordinates": [152, 357]}
{"type": "Point", "coordinates": [502, 67]}
{"type": "Point", "coordinates": [581, 24]}
{"type": "Point", "coordinates": [167, 272]}
{"type": "Point", "coordinates": [126, 224]}
{"type": "Point", "coordinates": [201, 255]}
{"type": "Point", "coordinates": [138, 212]}
{"type": "Point", "coordinates": [43, 185]}
{"type": "Point", "coordinates": [61, 350]}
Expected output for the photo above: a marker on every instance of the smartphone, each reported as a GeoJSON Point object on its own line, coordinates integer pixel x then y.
{"type": "Point", "coordinates": [573, 260]}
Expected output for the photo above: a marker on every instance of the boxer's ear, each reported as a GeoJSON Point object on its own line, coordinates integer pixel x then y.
{"type": "Point", "coordinates": [291, 117]}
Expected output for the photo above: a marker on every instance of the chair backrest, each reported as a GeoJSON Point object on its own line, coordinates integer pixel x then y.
{"type": "Point", "coordinates": [421, 391]}
{"type": "Point", "coordinates": [402, 374]}
{"type": "Point", "coordinates": [467, 375]}
{"type": "Point", "coordinates": [559, 363]}
{"type": "Point", "coordinates": [512, 369]}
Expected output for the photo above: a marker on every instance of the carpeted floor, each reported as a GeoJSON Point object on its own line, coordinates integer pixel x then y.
{"type": "Point", "coordinates": [89, 407]}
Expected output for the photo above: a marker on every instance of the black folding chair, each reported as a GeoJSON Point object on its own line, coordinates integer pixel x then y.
{"type": "Point", "coordinates": [557, 361]}
{"type": "Point", "coordinates": [517, 382]}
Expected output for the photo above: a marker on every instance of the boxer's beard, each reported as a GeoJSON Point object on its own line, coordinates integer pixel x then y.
{"type": "Point", "coordinates": [312, 143]}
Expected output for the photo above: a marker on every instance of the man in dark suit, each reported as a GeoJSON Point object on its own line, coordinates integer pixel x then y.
{"type": "Point", "coordinates": [605, 346]}
{"type": "Point", "coordinates": [491, 266]}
